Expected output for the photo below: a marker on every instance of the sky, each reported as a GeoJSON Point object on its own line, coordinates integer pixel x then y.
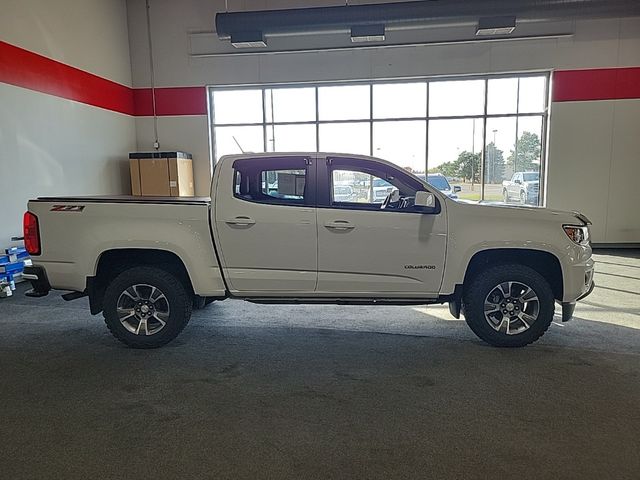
{"type": "Point", "coordinates": [403, 142]}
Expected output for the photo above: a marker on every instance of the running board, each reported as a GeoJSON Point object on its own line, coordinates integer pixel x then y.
{"type": "Point", "coordinates": [340, 301]}
{"type": "Point", "coordinates": [67, 297]}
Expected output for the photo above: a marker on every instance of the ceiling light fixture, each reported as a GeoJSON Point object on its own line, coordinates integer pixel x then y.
{"type": "Point", "coordinates": [367, 33]}
{"type": "Point", "coordinates": [496, 26]}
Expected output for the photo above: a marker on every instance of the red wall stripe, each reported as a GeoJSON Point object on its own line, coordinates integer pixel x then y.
{"type": "Point", "coordinates": [30, 70]}
{"type": "Point", "coordinates": [26, 69]}
{"type": "Point", "coordinates": [596, 84]}
{"type": "Point", "coordinates": [171, 101]}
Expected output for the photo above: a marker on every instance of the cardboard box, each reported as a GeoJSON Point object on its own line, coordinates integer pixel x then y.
{"type": "Point", "coordinates": [161, 174]}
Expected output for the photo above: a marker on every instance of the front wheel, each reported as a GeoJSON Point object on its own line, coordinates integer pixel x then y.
{"type": "Point", "coordinates": [509, 305]}
{"type": "Point", "coordinates": [523, 197]}
{"type": "Point", "coordinates": [146, 307]}
{"type": "Point", "coordinates": [505, 196]}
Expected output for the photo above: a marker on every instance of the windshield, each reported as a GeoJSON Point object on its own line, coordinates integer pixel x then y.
{"type": "Point", "coordinates": [530, 177]}
{"type": "Point", "coordinates": [439, 182]}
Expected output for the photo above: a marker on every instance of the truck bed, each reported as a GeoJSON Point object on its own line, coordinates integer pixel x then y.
{"type": "Point", "coordinates": [128, 199]}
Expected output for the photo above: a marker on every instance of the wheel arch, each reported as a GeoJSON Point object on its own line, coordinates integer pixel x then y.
{"type": "Point", "coordinates": [545, 263]}
{"type": "Point", "coordinates": [110, 263]}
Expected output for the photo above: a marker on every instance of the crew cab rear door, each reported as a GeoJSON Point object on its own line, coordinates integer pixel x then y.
{"type": "Point", "coordinates": [367, 251]}
{"type": "Point", "coordinates": [265, 224]}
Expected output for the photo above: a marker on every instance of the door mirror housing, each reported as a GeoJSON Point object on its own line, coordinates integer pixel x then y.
{"type": "Point", "coordinates": [457, 188]}
{"type": "Point", "coordinates": [517, 181]}
{"type": "Point", "coordinates": [425, 199]}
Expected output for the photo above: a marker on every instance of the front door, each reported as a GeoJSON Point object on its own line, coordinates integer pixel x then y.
{"type": "Point", "coordinates": [265, 222]}
{"type": "Point", "coordinates": [373, 244]}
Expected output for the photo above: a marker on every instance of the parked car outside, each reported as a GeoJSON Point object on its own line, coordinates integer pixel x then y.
{"type": "Point", "coordinates": [439, 181]}
{"type": "Point", "coordinates": [524, 187]}
{"type": "Point", "coordinates": [343, 193]}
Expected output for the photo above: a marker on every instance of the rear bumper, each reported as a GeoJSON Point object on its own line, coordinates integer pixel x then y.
{"type": "Point", "coordinates": [37, 276]}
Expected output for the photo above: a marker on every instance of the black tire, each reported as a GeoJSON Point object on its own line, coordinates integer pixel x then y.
{"type": "Point", "coordinates": [175, 295]}
{"type": "Point", "coordinates": [202, 302]}
{"type": "Point", "coordinates": [484, 283]}
{"type": "Point", "coordinates": [523, 197]}
{"type": "Point", "coordinates": [505, 196]}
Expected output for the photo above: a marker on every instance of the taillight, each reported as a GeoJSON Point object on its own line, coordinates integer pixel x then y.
{"type": "Point", "coordinates": [31, 233]}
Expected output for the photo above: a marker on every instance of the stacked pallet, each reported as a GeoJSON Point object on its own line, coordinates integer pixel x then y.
{"type": "Point", "coordinates": [12, 264]}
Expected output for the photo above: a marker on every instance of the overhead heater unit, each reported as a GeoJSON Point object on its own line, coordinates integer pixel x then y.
{"type": "Point", "coordinates": [248, 40]}
{"type": "Point", "coordinates": [496, 26]}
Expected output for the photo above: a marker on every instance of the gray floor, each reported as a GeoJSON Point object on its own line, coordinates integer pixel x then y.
{"type": "Point", "coordinates": [323, 392]}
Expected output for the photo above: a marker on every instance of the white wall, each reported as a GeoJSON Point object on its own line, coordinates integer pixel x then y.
{"type": "Point", "coordinates": [182, 28]}
{"type": "Point", "coordinates": [53, 146]}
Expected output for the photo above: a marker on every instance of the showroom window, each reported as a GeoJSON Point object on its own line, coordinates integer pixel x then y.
{"type": "Point", "coordinates": [478, 131]}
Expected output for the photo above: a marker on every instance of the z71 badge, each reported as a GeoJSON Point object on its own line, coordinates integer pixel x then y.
{"type": "Point", "coordinates": [67, 208]}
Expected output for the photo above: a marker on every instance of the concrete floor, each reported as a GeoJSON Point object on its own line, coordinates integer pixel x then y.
{"type": "Point", "coordinates": [323, 392]}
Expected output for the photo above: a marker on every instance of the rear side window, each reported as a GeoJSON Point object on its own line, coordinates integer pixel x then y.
{"type": "Point", "coordinates": [282, 181]}
{"type": "Point", "coordinates": [284, 184]}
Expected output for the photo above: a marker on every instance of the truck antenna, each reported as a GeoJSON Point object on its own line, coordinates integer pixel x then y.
{"type": "Point", "coordinates": [237, 143]}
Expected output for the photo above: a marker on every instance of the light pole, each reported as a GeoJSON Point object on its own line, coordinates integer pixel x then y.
{"type": "Point", "coordinates": [493, 155]}
{"type": "Point", "coordinates": [473, 152]}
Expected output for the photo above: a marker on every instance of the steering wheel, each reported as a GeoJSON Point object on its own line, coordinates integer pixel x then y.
{"type": "Point", "coordinates": [392, 200]}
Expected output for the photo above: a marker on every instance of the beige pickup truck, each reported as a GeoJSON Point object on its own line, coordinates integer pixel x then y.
{"type": "Point", "coordinates": [279, 229]}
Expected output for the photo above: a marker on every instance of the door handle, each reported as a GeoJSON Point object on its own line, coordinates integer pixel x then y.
{"type": "Point", "coordinates": [241, 220]}
{"type": "Point", "coordinates": [340, 225]}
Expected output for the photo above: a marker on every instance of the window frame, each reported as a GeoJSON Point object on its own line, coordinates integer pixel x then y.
{"type": "Point", "coordinates": [355, 164]}
{"type": "Point", "coordinates": [483, 117]}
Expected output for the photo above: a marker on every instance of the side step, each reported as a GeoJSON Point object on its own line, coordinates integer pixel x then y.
{"type": "Point", "coordinates": [67, 297]}
{"type": "Point", "coordinates": [340, 301]}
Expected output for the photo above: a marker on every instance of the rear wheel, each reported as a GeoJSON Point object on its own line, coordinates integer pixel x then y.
{"type": "Point", "coordinates": [509, 305]}
{"type": "Point", "coordinates": [146, 307]}
{"type": "Point", "coordinates": [523, 197]}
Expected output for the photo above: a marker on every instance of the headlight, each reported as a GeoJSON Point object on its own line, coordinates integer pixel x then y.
{"type": "Point", "coordinates": [577, 233]}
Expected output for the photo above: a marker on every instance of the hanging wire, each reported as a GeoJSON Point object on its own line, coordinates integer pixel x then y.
{"type": "Point", "coordinates": [156, 143]}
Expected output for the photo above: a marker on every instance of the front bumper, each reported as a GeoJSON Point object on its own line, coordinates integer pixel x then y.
{"type": "Point", "coordinates": [569, 307]}
{"type": "Point", "coordinates": [37, 275]}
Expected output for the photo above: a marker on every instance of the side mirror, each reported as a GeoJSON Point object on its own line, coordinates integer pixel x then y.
{"type": "Point", "coordinates": [425, 199]}
{"type": "Point", "coordinates": [517, 181]}
{"type": "Point", "coordinates": [457, 188]}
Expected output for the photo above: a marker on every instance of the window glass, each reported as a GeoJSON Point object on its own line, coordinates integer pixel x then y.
{"type": "Point", "coordinates": [502, 95]}
{"type": "Point", "coordinates": [237, 106]}
{"type": "Point", "coordinates": [368, 185]}
{"type": "Point", "coordinates": [402, 142]}
{"type": "Point", "coordinates": [345, 138]}
{"type": "Point", "coordinates": [455, 151]}
{"type": "Point", "coordinates": [344, 102]}
{"type": "Point", "coordinates": [291, 138]}
{"type": "Point", "coordinates": [283, 184]}
{"type": "Point", "coordinates": [456, 98]}
{"type": "Point", "coordinates": [501, 136]}
{"type": "Point", "coordinates": [532, 93]}
{"type": "Point", "coordinates": [290, 104]}
{"type": "Point", "coordinates": [400, 100]}
{"type": "Point", "coordinates": [525, 158]}
{"type": "Point", "coordinates": [352, 186]}
{"type": "Point", "coordinates": [438, 181]}
{"type": "Point", "coordinates": [257, 181]}
{"type": "Point", "coordinates": [236, 139]}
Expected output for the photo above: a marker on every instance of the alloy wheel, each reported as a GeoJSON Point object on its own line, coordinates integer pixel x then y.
{"type": "Point", "coordinates": [143, 309]}
{"type": "Point", "coordinates": [511, 307]}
